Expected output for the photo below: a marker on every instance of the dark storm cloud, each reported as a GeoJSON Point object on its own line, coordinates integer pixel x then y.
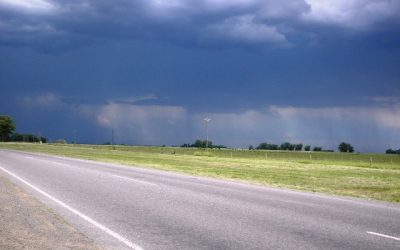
{"type": "Point", "coordinates": [64, 25]}
{"type": "Point", "coordinates": [312, 71]}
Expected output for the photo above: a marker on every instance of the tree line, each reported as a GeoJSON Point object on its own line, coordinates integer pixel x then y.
{"type": "Point", "coordinates": [202, 144]}
{"type": "Point", "coordinates": [17, 137]}
{"type": "Point", "coordinates": [283, 146]}
{"type": "Point", "coordinates": [287, 146]}
{"type": "Point", "coordinates": [7, 132]}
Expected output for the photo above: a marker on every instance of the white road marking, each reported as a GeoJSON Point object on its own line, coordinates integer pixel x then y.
{"type": "Point", "coordinates": [384, 235]}
{"type": "Point", "coordinates": [86, 218]}
{"type": "Point", "coordinates": [134, 180]}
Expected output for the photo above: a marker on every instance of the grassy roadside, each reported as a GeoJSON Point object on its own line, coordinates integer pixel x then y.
{"type": "Point", "coordinates": [334, 173]}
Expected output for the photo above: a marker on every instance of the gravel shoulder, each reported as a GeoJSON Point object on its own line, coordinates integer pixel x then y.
{"type": "Point", "coordinates": [26, 223]}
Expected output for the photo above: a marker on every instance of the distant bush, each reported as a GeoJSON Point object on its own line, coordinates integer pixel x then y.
{"type": "Point", "coordinates": [391, 151]}
{"type": "Point", "coordinates": [61, 141]}
{"type": "Point", "coordinates": [307, 148]}
{"type": "Point", "coordinates": [317, 149]}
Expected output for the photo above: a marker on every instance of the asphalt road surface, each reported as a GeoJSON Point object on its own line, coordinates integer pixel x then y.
{"type": "Point", "coordinates": [131, 208]}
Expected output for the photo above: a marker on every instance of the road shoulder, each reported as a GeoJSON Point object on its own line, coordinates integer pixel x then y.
{"type": "Point", "coordinates": [27, 223]}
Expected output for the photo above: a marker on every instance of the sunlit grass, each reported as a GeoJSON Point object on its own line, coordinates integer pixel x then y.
{"type": "Point", "coordinates": [334, 173]}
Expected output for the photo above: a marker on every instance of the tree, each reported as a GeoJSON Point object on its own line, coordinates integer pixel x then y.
{"type": "Point", "coordinates": [307, 148]}
{"type": "Point", "coordinates": [262, 146]}
{"type": "Point", "coordinates": [198, 144]}
{"type": "Point", "coordinates": [7, 127]}
{"type": "Point", "coordinates": [317, 149]}
{"type": "Point", "coordinates": [251, 147]}
{"type": "Point", "coordinates": [273, 147]}
{"type": "Point", "coordinates": [267, 146]}
{"type": "Point", "coordinates": [285, 146]}
{"type": "Point", "coordinates": [202, 144]}
{"type": "Point", "coordinates": [298, 147]}
{"type": "Point", "coordinates": [345, 147]}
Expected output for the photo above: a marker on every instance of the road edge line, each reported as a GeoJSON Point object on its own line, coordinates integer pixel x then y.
{"type": "Point", "coordinates": [76, 212]}
{"type": "Point", "coordinates": [383, 235]}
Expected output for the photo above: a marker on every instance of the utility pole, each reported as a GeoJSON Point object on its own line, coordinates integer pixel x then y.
{"type": "Point", "coordinates": [112, 139]}
{"type": "Point", "coordinates": [74, 133]}
{"type": "Point", "coordinates": [207, 120]}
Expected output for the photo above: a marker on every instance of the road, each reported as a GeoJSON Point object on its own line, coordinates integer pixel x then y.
{"type": "Point", "coordinates": [126, 207]}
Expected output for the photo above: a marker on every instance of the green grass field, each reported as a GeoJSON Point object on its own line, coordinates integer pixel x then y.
{"type": "Point", "coordinates": [372, 176]}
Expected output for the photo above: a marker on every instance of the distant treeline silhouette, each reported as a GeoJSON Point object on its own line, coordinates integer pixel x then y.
{"type": "Point", "coordinates": [262, 146]}
{"type": "Point", "coordinates": [391, 151]}
{"type": "Point", "coordinates": [202, 144]}
{"type": "Point", "coordinates": [7, 132]}
{"type": "Point", "coordinates": [287, 146]}
{"type": "Point", "coordinates": [17, 137]}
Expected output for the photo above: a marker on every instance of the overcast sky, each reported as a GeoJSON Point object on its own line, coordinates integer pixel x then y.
{"type": "Point", "coordinates": [312, 71]}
